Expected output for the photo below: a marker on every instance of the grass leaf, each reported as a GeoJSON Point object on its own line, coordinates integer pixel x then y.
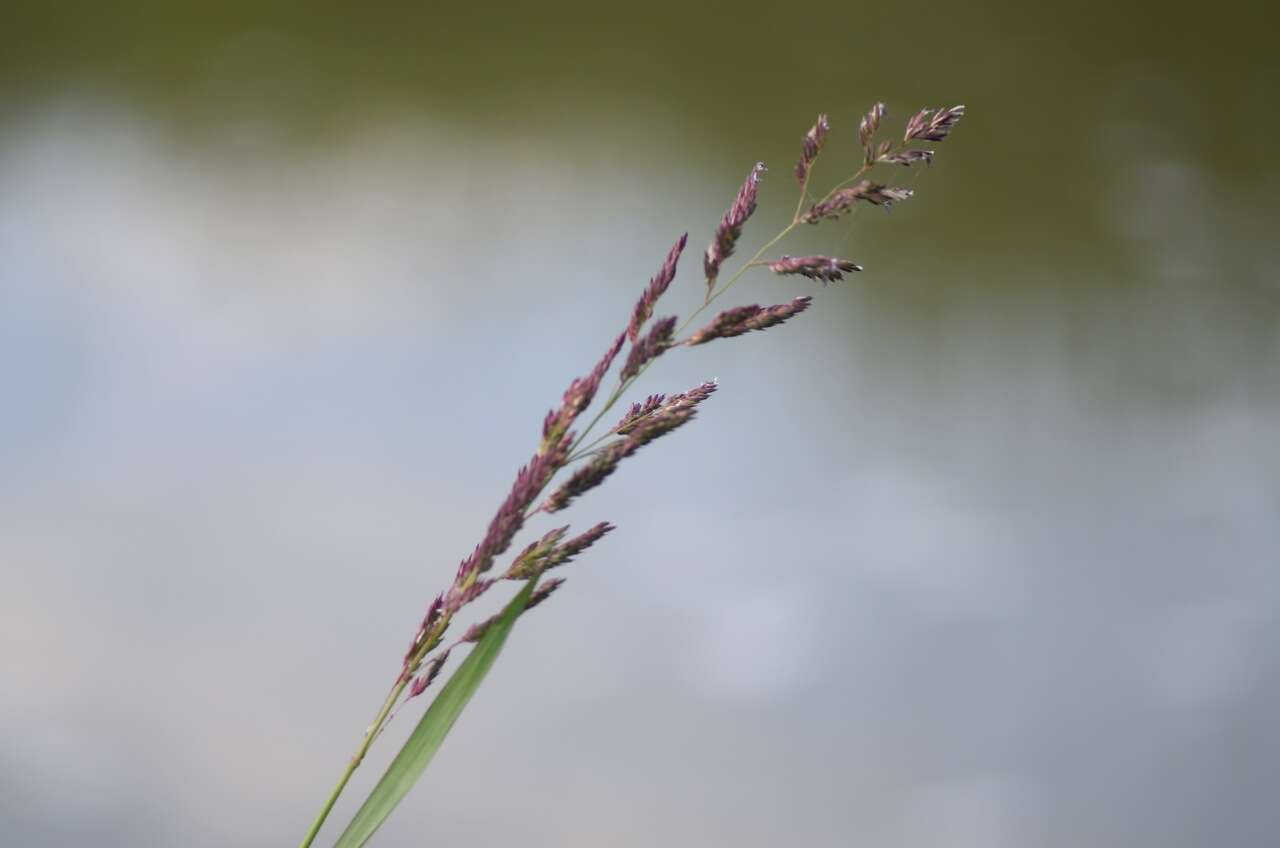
{"type": "Point", "coordinates": [422, 745]}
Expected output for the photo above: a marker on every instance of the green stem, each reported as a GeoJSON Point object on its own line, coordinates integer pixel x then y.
{"type": "Point", "coordinates": [369, 736]}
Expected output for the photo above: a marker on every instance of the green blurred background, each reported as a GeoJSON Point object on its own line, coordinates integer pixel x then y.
{"type": "Point", "coordinates": [981, 551]}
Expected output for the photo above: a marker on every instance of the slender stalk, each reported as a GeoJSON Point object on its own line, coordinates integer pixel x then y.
{"type": "Point", "coordinates": [369, 736]}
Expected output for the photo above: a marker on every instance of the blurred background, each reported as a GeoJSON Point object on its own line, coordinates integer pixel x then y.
{"type": "Point", "coordinates": [981, 551]}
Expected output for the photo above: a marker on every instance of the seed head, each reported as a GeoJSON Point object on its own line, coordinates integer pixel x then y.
{"type": "Point", "coordinates": [877, 194]}
{"type": "Point", "coordinates": [906, 158]}
{"type": "Point", "coordinates": [650, 347]}
{"type": "Point", "coordinates": [533, 558]}
{"type": "Point", "coordinates": [870, 123]}
{"type": "Point", "coordinates": [744, 319]}
{"type": "Point", "coordinates": [657, 285]}
{"type": "Point", "coordinates": [545, 590]}
{"type": "Point", "coordinates": [811, 147]}
{"type": "Point", "coordinates": [730, 228]}
{"type": "Point", "coordinates": [577, 398]}
{"type": "Point", "coordinates": [570, 549]}
{"type": "Point", "coordinates": [824, 268]}
{"type": "Point", "coordinates": [637, 410]}
{"type": "Point", "coordinates": [433, 671]}
{"type": "Point", "coordinates": [595, 472]}
{"type": "Point", "coordinates": [666, 419]}
{"type": "Point", "coordinates": [530, 480]}
{"type": "Point", "coordinates": [933, 124]}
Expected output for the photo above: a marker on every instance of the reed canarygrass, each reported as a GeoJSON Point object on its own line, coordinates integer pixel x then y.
{"type": "Point", "coordinates": [564, 453]}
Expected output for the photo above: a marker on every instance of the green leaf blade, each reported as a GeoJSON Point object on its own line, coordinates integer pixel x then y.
{"type": "Point", "coordinates": [435, 724]}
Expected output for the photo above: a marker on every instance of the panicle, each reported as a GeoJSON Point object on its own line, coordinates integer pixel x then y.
{"type": "Point", "coordinates": [825, 268]}
{"type": "Point", "coordinates": [877, 194]}
{"type": "Point", "coordinates": [744, 319]}
{"type": "Point", "coordinates": [811, 147]}
{"type": "Point", "coordinates": [933, 124]}
{"type": "Point", "coordinates": [730, 229]}
{"type": "Point", "coordinates": [650, 347]}
{"type": "Point", "coordinates": [658, 284]}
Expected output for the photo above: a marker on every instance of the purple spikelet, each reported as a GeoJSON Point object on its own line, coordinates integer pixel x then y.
{"type": "Point", "coordinates": [906, 158]}
{"type": "Point", "coordinates": [933, 124]}
{"type": "Point", "coordinates": [867, 129]}
{"type": "Point", "coordinates": [650, 347]}
{"type": "Point", "coordinates": [419, 638]}
{"type": "Point", "coordinates": [744, 319]}
{"type": "Point", "coordinates": [651, 421]}
{"type": "Point", "coordinates": [825, 268]}
{"type": "Point", "coordinates": [577, 398]}
{"type": "Point", "coordinates": [530, 480]}
{"type": "Point", "coordinates": [730, 229]}
{"type": "Point", "coordinates": [637, 410]}
{"type": "Point", "coordinates": [812, 146]}
{"type": "Point", "coordinates": [657, 286]}
{"type": "Point", "coordinates": [433, 671]}
{"type": "Point", "coordinates": [545, 590]}
{"type": "Point", "coordinates": [877, 194]}
{"type": "Point", "coordinates": [586, 478]}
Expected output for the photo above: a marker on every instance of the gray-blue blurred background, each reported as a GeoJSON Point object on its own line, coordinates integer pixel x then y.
{"type": "Point", "coordinates": [979, 552]}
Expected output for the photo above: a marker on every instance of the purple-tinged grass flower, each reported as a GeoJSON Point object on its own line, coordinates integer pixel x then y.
{"type": "Point", "coordinates": [548, 552]}
{"type": "Point", "coordinates": [870, 123]}
{"type": "Point", "coordinates": [529, 482]}
{"type": "Point", "coordinates": [812, 146]}
{"type": "Point", "coordinates": [657, 285]}
{"type": "Point", "coordinates": [602, 464]}
{"type": "Point", "coordinates": [906, 158]}
{"type": "Point", "coordinates": [650, 347]}
{"type": "Point", "coordinates": [660, 423]}
{"type": "Point", "coordinates": [476, 632]}
{"type": "Point", "coordinates": [636, 411]}
{"type": "Point", "coordinates": [825, 268]}
{"type": "Point", "coordinates": [867, 129]}
{"type": "Point", "coordinates": [566, 552]}
{"type": "Point", "coordinates": [877, 194]}
{"type": "Point", "coordinates": [424, 629]}
{"type": "Point", "coordinates": [730, 229]}
{"type": "Point", "coordinates": [533, 558]}
{"type": "Point", "coordinates": [658, 405]}
{"type": "Point", "coordinates": [433, 671]}
{"type": "Point", "coordinates": [545, 590]}
{"type": "Point", "coordinates": [744, 319]}
{"type": "Point", "coordinates": [933, 124]}
{"type": "Point", "coordinates": [577, 398]}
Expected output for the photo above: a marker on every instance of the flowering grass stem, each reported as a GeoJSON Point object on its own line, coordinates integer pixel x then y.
{"type": "Point", "coordinates": [560, 446]}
